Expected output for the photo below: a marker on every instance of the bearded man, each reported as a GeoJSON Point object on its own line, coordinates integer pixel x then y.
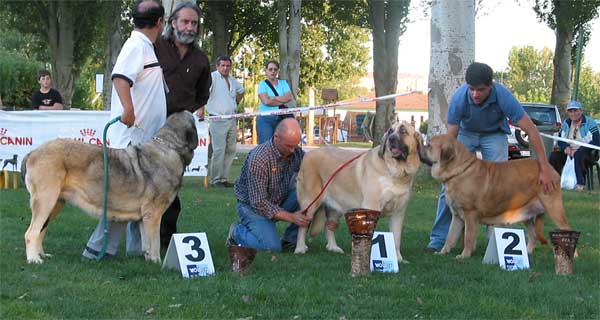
{"type": "Point", "coordinates": [187, 74]}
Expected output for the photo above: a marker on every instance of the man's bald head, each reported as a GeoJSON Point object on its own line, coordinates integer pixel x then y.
{"type": "Point", "coordinates": [146, 13]}
{"type": "Point", "coordinates": [288, 126]}
{"type": "Point", "coordinates": [287, 136]}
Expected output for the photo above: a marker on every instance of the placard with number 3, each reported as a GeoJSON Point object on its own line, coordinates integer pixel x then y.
{"type": "Point", "coordinates": [190, 254]}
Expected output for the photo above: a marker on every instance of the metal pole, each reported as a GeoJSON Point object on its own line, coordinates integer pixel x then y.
{"type": "Point", "coordinates": [578, 63]}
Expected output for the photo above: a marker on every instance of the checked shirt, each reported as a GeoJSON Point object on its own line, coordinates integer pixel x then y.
{"type": "Point", "coordinates": [265, 179]}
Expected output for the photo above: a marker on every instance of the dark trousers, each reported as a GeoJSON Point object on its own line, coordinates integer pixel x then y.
{"type": "Point", "coordinates": [582, 157]}
{"type": "Point", "coordinates": [168, 223]}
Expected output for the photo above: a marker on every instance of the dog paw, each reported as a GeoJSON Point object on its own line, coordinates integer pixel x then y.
{"type": "Point", "coordinates": [335, 249]}
{"type": "Point", "coordinates": [155, 259]}
{"type": "Point", "coordinates": [37, 259]}
{"type": "Point", "coordinates": [301, 249]}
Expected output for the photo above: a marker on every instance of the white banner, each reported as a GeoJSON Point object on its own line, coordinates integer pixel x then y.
{"type": "Point", "coordinates": [23, 131]}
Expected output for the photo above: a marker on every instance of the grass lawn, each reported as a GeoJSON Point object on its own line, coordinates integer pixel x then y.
{"type": "Point", "coordinates": [288, 286]}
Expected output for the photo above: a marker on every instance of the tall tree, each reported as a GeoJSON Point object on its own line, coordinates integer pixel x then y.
{"type": "Point", "coordinates": [530, 74]}
{"type": "Point", "coordinates": [452, 50]}
{"type": "Point", "coordinates": [113, 42]}
{"type": "Point", "coordinates": [290, 31]}
{"type": "Point", "coordinates": [388, 22]}
{"type": "Point", "coordinates": [221, 18]}
{"type": "Point", "coordinates": [566, 18]}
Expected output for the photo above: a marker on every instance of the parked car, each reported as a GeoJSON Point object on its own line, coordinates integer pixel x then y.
{"type": "Point", "coordinates": [542, 115]}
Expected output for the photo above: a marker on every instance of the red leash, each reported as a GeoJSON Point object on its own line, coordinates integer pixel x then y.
{"type": "Point", "coordinates": [330, 179]}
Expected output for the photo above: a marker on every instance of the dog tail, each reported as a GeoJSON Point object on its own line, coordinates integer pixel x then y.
{"type": "Point", "coordinates": [318, 223]}
{"type": "Point", "coordinates": [24, 167]}
{"type": "Point", "coordinates": [539, 229]}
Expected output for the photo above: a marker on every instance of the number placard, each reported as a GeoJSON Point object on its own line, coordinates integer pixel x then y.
{"type": "Point", "coordinates": [383, 252]}
{"type": "Point", "coordinates": [508, 248]}
{"type": "Point", "coordinates": [190, 254]}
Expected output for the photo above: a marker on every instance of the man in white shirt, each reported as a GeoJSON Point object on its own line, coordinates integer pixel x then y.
{"type": "Point", "coordinates": [138, 96]}
{"type": "Point", "coordinates": [225, 94]}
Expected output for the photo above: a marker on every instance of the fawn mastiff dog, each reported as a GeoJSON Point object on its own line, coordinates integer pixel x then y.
{"type": "Point", "coordinates": [379, 180]}
{"type": "Point", "coordinates": [479, 191]}
{"type": "Point", "coordinates": [143, 181]}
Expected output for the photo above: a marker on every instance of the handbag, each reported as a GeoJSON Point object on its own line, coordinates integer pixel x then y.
{"type": "Point", "coordinates": [568, 180]}
{"type": "Point", "coordinates": [282, 106]}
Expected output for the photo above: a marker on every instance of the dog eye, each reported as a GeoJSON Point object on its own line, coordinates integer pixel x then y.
{"type": "Point", "coordinates": [390, 131]}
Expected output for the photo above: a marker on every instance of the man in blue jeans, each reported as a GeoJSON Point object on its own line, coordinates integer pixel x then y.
{"type": "Point", "coordinates": [478, 116]}
{"type": "Point", "coordinates": [266, 192]}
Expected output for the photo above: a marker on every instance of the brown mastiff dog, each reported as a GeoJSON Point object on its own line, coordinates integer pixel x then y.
{"type": "Point", "coordinates": [479, 191]}
{"type": "Point", "coordinates": [379, 180]}
{"type": "Point", "coordinates": [143, 181]}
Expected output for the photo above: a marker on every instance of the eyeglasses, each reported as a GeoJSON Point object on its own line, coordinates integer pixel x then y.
{"type": "Point", "coordinates": [273, 69]}
{"type": "Point", "coordinates": [575, 132]}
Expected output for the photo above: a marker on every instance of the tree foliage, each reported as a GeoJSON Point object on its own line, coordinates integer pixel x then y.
{"type": "Point", "coordinates": [567, 19]}
{"type": "Point", "coordinates": [589, 91]}
{"type": "Point", "coordinates": [530, 73]}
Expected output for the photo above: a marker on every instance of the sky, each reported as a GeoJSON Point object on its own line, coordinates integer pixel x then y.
{"type": "Point", "coordinates": [499, 26]}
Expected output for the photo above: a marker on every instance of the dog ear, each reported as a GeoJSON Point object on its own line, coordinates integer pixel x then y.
{"type": "Point", "coordinates": [421, 149]}
{"type": "Point", "coordinates": [383, 145]}
{"type": "Point", "coordinates": [447, 152]}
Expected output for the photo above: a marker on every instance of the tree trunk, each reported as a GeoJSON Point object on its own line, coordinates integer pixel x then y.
{"type": "Point", "coordinates": [61, 35]}
{"type": "Point", "coordinates": [561, 85]}
{"type": "Point", "coordinates": [113, 46]}
{"type": "Point", "coordinates": [452, 50]}
{"type": "Point", "coordinates": [386, 21]}
{"type": "Point", "coordinates": [290, 31]}
{"type": "Point", "coordinates": [294, 49]}
{"type": "Point", "coordinates": [282, 12]}
{"type": "Point", "coordinates": [222, 17]}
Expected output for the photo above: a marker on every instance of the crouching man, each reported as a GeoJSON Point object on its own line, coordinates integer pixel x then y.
{"type": "Point", "coordinates": [266, 192]}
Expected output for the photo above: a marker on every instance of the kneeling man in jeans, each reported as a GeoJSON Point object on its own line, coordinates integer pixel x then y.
{"type": "Point", "coordinates": [266, 192]}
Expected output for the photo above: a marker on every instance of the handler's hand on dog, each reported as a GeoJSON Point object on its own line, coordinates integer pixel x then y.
{"type": "Point", "coordinates": [546, 179]}
{"type": "Point", "coordinates": [128, 118]}
{"type": "Point", "coordinates": [301, 219]}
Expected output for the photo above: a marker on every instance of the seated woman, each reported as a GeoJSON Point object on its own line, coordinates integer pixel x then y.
{"type": "Point", "coordinates": [271, 98]}
{"type": "Point", "coordinates": [581, 128]}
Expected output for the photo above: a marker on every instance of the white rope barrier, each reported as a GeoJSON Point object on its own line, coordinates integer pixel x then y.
{"type": "Point", "coordinates": [579, 143]}
{"type": "Point", "coordinates": [305, 109]}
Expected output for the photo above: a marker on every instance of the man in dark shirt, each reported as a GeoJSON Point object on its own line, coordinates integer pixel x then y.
{"type": "Point", "coordinates": [266, 191]}
{"type": "Point", "coordinates": [46, 98]}
{"type": "Point", "coordinates": [187, 74]}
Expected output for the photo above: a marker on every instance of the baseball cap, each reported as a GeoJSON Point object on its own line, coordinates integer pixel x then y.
{"type": "Point", "coordinates": [573, 105]}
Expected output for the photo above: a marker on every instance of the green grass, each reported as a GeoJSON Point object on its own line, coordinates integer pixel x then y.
{"type": "Point", "coordinates": [287, 286]}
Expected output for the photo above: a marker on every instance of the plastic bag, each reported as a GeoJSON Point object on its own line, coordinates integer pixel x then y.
{"type": "Point", "coordinates": [568, 180]}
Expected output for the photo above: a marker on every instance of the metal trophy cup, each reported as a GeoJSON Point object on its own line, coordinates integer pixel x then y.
{"type": "Point", "coordinates": [241, 258]}
{"type": "Point", "coordinates": [564, 243]}
{"type": "Point", "coordinates": [361, 223]}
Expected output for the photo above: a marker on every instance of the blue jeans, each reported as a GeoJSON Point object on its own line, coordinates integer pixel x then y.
{"type": "Point", "coordinates": [493, 147]}
{"type": "Point", "coordinates": [257, 231]}
{"type": "Point", "coordinates": [265, 127]}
